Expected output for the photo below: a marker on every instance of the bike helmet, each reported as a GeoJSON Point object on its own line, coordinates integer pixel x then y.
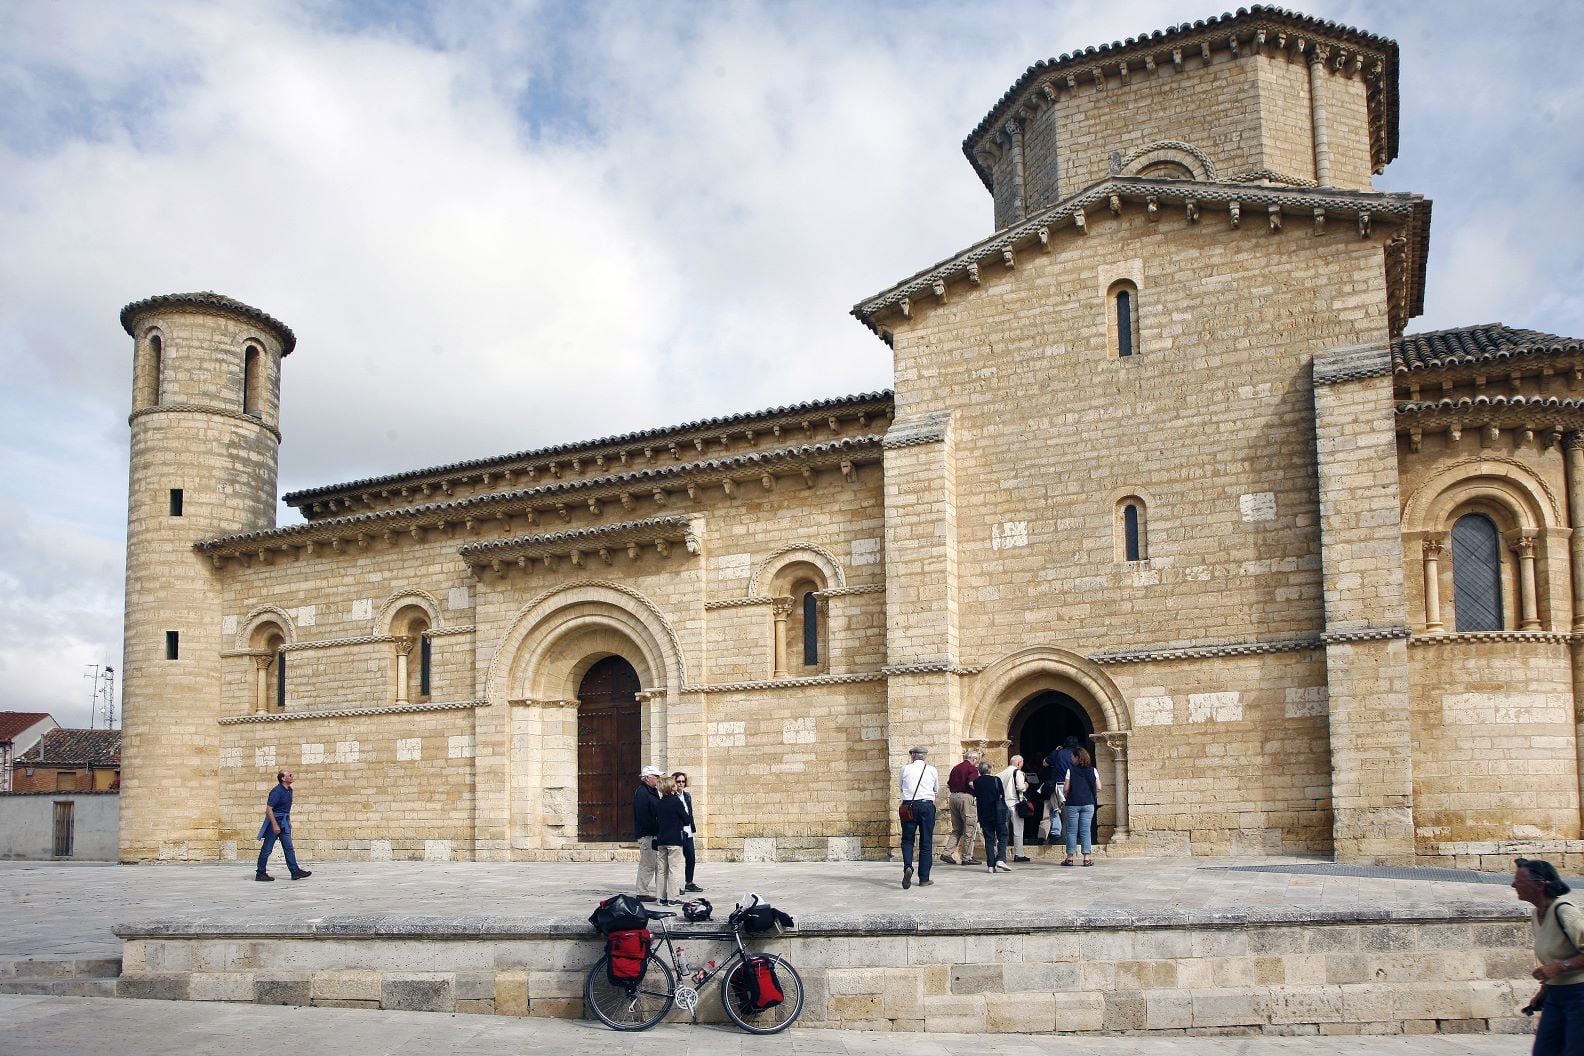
{"type": "Point", "coordinates": [696, 910]}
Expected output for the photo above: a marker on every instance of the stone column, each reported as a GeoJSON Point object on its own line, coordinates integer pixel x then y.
{"type": "Point", "coordinates": [1014, 135]}
{"type": "Point", "coordinates": [651, 705]}
{"type": "Point", "coordinates": [1116, 743]}
{"type": "Point", "coordinates": [1322, 144]}
{"type": "Point", "coordinates": [1433, 546]}
{"type": "Point", "coordinates": [780, 609]}
{"type": "Point", "coordinates": [403, 647]}
{"type": "Point", "coordinates": [1525, 549]}
{"type": "Point", "coordinates": [261, 697]}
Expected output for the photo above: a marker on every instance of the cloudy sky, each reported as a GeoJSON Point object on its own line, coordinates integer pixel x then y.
{"type": "Point", "coordinates": [498, 225]}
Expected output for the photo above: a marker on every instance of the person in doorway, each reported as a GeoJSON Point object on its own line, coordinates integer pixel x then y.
{"type": "Point", "coordinates": [1558, 930]}
{"type": "Point", "coordinates": [1061, 760]}
{"type": "Point", "coordinates": [919, 784]}
{"type": "Point", "coordinates": [990, 802]}
{"type": "Point", "coordinates": [671, 818]}
{"type": "Point", "coordinates": [964, 811]}
{"type": "Point", "coordinates": [1014, 787]}
{"type": "Point", "coordinates": [689, 853]}
{"type": "Point", "coordinates": [277, 827]}
{"type": "Point", "coordinates": [1081, 788]}
{"type": "Point", "coordinates": [646, 805]}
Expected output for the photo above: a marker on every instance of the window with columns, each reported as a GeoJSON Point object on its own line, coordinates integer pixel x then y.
{"type": "Point", "coordinates": [269, 661]}
{"type": "Point", "coordinates": [800, 645]}
{"type": "Point", "coordinates": [413, 673]}
{"type": "Point", "coordinates": [1493, 575]}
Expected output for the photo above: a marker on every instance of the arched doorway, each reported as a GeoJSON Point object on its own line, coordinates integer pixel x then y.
{"type": "Point", "coordinates": [1044, 723]}
{"type": "Point", "coordinates": [609, 748]}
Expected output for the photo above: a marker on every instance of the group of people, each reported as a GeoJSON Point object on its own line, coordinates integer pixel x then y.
{"type": "Point", "coordinates": [663, 825]}
{"type": "Point", "coordinates": [999, 805]}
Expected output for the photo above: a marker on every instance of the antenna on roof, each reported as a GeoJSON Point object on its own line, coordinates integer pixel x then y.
{"type": "Point", "coordinates": [101, 699]}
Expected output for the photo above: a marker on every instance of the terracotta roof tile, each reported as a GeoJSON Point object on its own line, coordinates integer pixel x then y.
{"type": "Point", "coordinates": [13, 723]}
{"type": "Point", "coordinates": [99, 747]}
{"type": "Point", "coordinates": [1487, 343]}
{"type": "Point", "coordinates": [210, 300]}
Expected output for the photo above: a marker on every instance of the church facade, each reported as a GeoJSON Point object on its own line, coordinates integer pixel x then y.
{"type": "Point", "coordinates": [1160, 470]}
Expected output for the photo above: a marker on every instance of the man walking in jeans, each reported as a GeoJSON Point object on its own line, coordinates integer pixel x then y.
{"type": "Point", "coordinates": [918, 784]}
{"type": "Point", "coordinates": [277, 826]}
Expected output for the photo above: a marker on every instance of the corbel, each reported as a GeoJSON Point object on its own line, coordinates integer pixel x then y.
{"type": "Point", "coordinates": [659, 496]}
{"type": "Point", "coordinates": [1339, 64]}
{"type": "Point", "coordinates": [767, 481]}
{"type": "Point", "coordinates": [499, 569]}
{"type": "Point", "coordinates": [1149, 64]}
{"type": "Point", "coordinates": [729, 487]}
{"type": "Point", "coordinates": [1526, 436]}
{"type": "Point", "coordinates": [1553, 437]}
{"type": "Point", "coordinates": [508, 476]}
{"type": "Point", "coordinates": [1072, 82]}
{"type": "Point", "coordinates": [549, 562]}
{"type": "Point", "coordinates": [632, 551]}
{"type": "Point", "coordinates": [262, 557]}
{"type": "Point", "coordinates": [1048, 92]}
{"type": "Point", "coordinates": [531, 517]}
{"type": "Point", "coordinates": [1364, 225]}
{"type": "Point", "coordinates": [1319, 221]}
{"type": "Point", "coordinates": [445, 487]}
{"type": "Point", "coordinates": [972, 271]}
{"type": "Point", "coordinates": [698, 444]}
{"type": "Point", "coordinates": [775, 431]}
{"type": "Point", "coordinates": [484, 480]}
{"type": "Point", "coordinates": [1122, 72]}
{"type": "Point", "coordinates": [506, 523]}
{"type": "Point", "coordinates": [725, 441]}
{"type": "Point", "coordinates": [1080, 221]}
{"type": "Point", "coordinates": [863, 419]}
{"type": "Point", "coordinates": [561, 511]}
{"type": "Point", "coordinates": [577, 558]}
{"type": "Point", "coordinates": [604, 553]}
{"type": "Point", "coordinates": [1177, 59]}
{"type": "Point", "coordinates": [807, 425]}
{"type": "Point", "coordinates": [594, 506]}
{"type": "Point", "coordinates": [1235, 212]}
{"type": "Point", "coordinates": [1043, 234]}
{"type": "Point", "coordinates": [676, 456]}
{"type": "Point", "coordinates": [691, 541]}
{"type": "Point", "coordinates": [1299, 47]}
{"type": "Point", "coordinates": [832, 424]}
{"type": "Point", "coordinates": [649, 454]}
{"type": "Point", "coordinates": [555, 470]}
{"type": "Point", "coordinates": [1115, 202]}
{"type": "Point", "coordinates": [663, 548]}
{"type": "Point", "coordinates": [308, 548]}
{"type": "Point", "coordinates": [524, 562]}
{"type": "Point", "coordinates": [1415, 438]}
{"type": "Point", "coordinates": [808, 477]}
{"type": "Point", "coordinates": [1204, 51]}
{"type": "Point", "coordinates": [1489, 435]}
{"type": "Point", "coordinates": [1455, 431]}
{"type": "Point", "coordinates": [1274, 212]}
{"type": "Point", "coordinates": [1152, 208]}
{"type": "Point", "coordinates": [692, 490]}
{"type": "Point", "coordinates": [1098, 73]}
{"type": "Point", "coordinates": [335, 546]}
{"type": "Point", "coordinates": [1232, 43]}
{"type": "Point", "coordinates": [627, 501]}
{"type": "Point", "coordinates": [1259, 39]}
{"type": "Point", "coordinates": [217, 560]}
{"type": "Point", "coordinates": [362, 541]}
{"type": "Point", "coordinates": [577, 466]}
{"type": "Point", "coordinates": [368, 500]}
{"type": "Point", "coordinates": [906, 307]}
{"type": "Point", "coordinates": [385, 537]}
{"type": "Point", "coordinates": [1191, 210]}
{"type": "Point", "coordinates": [599, 460]}
{"type": "Point", "coordinates": [622, 456]}
{"type": "Point", "coordinates": [1007, 258]}
{"type": "Point", "coordinates": [748, 434]}
{"type": "Point", "coordinates": [940, 290]}
{"type": "Point", "coordinates": [417, 534]}
{"type": "Point", "coordinates": [848, 471]}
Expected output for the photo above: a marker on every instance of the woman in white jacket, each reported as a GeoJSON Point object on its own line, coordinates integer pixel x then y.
{"type": "Point", "coordinates": [1015, 781]}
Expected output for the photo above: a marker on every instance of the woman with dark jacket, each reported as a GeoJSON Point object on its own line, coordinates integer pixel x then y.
{"type": "Point", "coordinates": [689, 854]}
{"type": "Point", "coordinates": [671, 818]}
{"type": "Point", "coordinates": [990, 799]}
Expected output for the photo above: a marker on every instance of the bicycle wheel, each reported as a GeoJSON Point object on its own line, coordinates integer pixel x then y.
{"type": "Point", "coordinates": [770, 1020]}
{"type": "Point", "coordinates": [636, 1007]}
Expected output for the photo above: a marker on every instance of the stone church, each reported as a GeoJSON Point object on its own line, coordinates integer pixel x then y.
{"type": "Point", "coordinates": [1160, 470]}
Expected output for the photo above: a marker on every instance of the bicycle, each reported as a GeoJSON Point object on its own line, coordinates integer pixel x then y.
{"type": "Point", "coordinates": [645, 1002]}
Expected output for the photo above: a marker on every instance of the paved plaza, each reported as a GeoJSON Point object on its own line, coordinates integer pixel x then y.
{"type": "Point", "coordinates": [68, 1026]}
{"type": "Point", "coordinates": [69, 910]}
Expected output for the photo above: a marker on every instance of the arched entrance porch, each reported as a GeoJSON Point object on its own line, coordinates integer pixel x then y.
{"type": "Point", "coordinates": [1036, 698]}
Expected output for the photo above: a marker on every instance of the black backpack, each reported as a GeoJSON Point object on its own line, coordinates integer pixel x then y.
{"type": "Point", "coordinates": [619, 913]}
{"type": "Point", "coordinates": [762, 917]}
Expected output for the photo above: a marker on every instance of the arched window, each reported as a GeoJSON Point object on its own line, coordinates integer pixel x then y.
{"type": "Point", "coordinates": [269, 656]}
{"type": "Point", "coordinates": [253, 381]}
{"type": "Point", "coordinates": [148, 370]}
{"type": "Point", "coordinates": [414, 657]}
{"type": "Point", "coordinates": [810, 629]}
{"type": "Point", "coordinates": [1476, 573]}
{"type": "Point", "coordinates": [1131, 540]}
{"type": "Point", "coordinates": [1122, 324]}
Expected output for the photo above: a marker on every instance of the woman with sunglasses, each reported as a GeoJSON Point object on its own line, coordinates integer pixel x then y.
{"type": "Point", "coordinates": [688, 852]}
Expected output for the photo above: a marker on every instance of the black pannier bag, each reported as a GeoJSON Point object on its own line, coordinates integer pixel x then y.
{"type": "Point", "coordinates": [629, 956]}
{"type": "Point", "coordinates": [619, 913]}
{"type": "Point", "coordinates": [763, 917]}
{"type": "Point", "coordinates": [755, 984]}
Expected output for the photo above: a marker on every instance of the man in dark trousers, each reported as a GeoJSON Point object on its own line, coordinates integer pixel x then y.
{"type": "Point", "coordinates": [646, 805]}
{"type": "Point", "coordinates": [277, 826]}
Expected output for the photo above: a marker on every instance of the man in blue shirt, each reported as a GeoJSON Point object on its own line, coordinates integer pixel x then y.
{"type": "Point", "coordinates": [277, 826]}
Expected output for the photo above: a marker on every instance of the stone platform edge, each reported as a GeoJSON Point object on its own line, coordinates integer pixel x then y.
{"type": "Point", "coordinates": [874, 925]}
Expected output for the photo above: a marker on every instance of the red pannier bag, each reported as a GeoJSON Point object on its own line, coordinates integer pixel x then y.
{"type": "Point", "coordinates": [629, 956]}
{"type": "Point", "coordinates": [756, 984]}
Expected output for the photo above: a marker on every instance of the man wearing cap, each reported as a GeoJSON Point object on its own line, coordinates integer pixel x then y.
{"type": "Point", "coordinates": [646, 824]}
{"type": "Point", "coordinates": [919, 784]}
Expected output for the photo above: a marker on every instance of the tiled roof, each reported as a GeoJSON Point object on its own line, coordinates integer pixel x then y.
{"type": "Point", "coordinates": [1488, 343]}
{"type": "Point", "coordinates": [207, 299]}
{"type": "Point", "coordinates": [12, 723]}
{"type": "Point", "coordinates": [298, 498]}
{"type": "Point", "coordinates": [1160, 38]}
{"type": "Point", "coordinates": [99, 747]}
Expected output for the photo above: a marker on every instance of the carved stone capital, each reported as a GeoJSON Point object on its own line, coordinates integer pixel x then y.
{"type": "Point", "coordinates": [1572, 440]}
{"type": "Point", "coordinates": [1434, 545]}
{"type": "Point", "coordinates": [403, 645]}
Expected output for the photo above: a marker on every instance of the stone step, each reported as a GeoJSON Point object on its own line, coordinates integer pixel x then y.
{"type": "Point", "coordinates": [59, 968]}
{"type": "Point", "coordinates": [59, 987]}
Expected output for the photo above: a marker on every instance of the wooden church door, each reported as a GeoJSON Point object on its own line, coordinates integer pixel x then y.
{"type": "Point", "coordinates": [609, 736]}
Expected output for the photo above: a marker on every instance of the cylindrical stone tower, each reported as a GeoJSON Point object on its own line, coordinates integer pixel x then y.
{"type": "Point", "coordinates": [205, 442]}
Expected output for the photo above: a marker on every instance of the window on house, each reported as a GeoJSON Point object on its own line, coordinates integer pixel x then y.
{"type": "Point", "coordinates": [1476, 573]}
{"type": "Point", "coordinates": [810, 629]}
{"type": "Point", "coordinates": [1122, 325]}
{"type": "Point", "coordinates": [172, 645]}
{"type": "Point", "coordinates": [252, 381]}
{"type": "Point", "coordinates": [175, 502]}
{"type": "Point", "coordinates": [148, 370]}
{"type": "Point", "coordinates": [1131, 538]}
{"type": "Point", "coordinates": [65, 780]}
